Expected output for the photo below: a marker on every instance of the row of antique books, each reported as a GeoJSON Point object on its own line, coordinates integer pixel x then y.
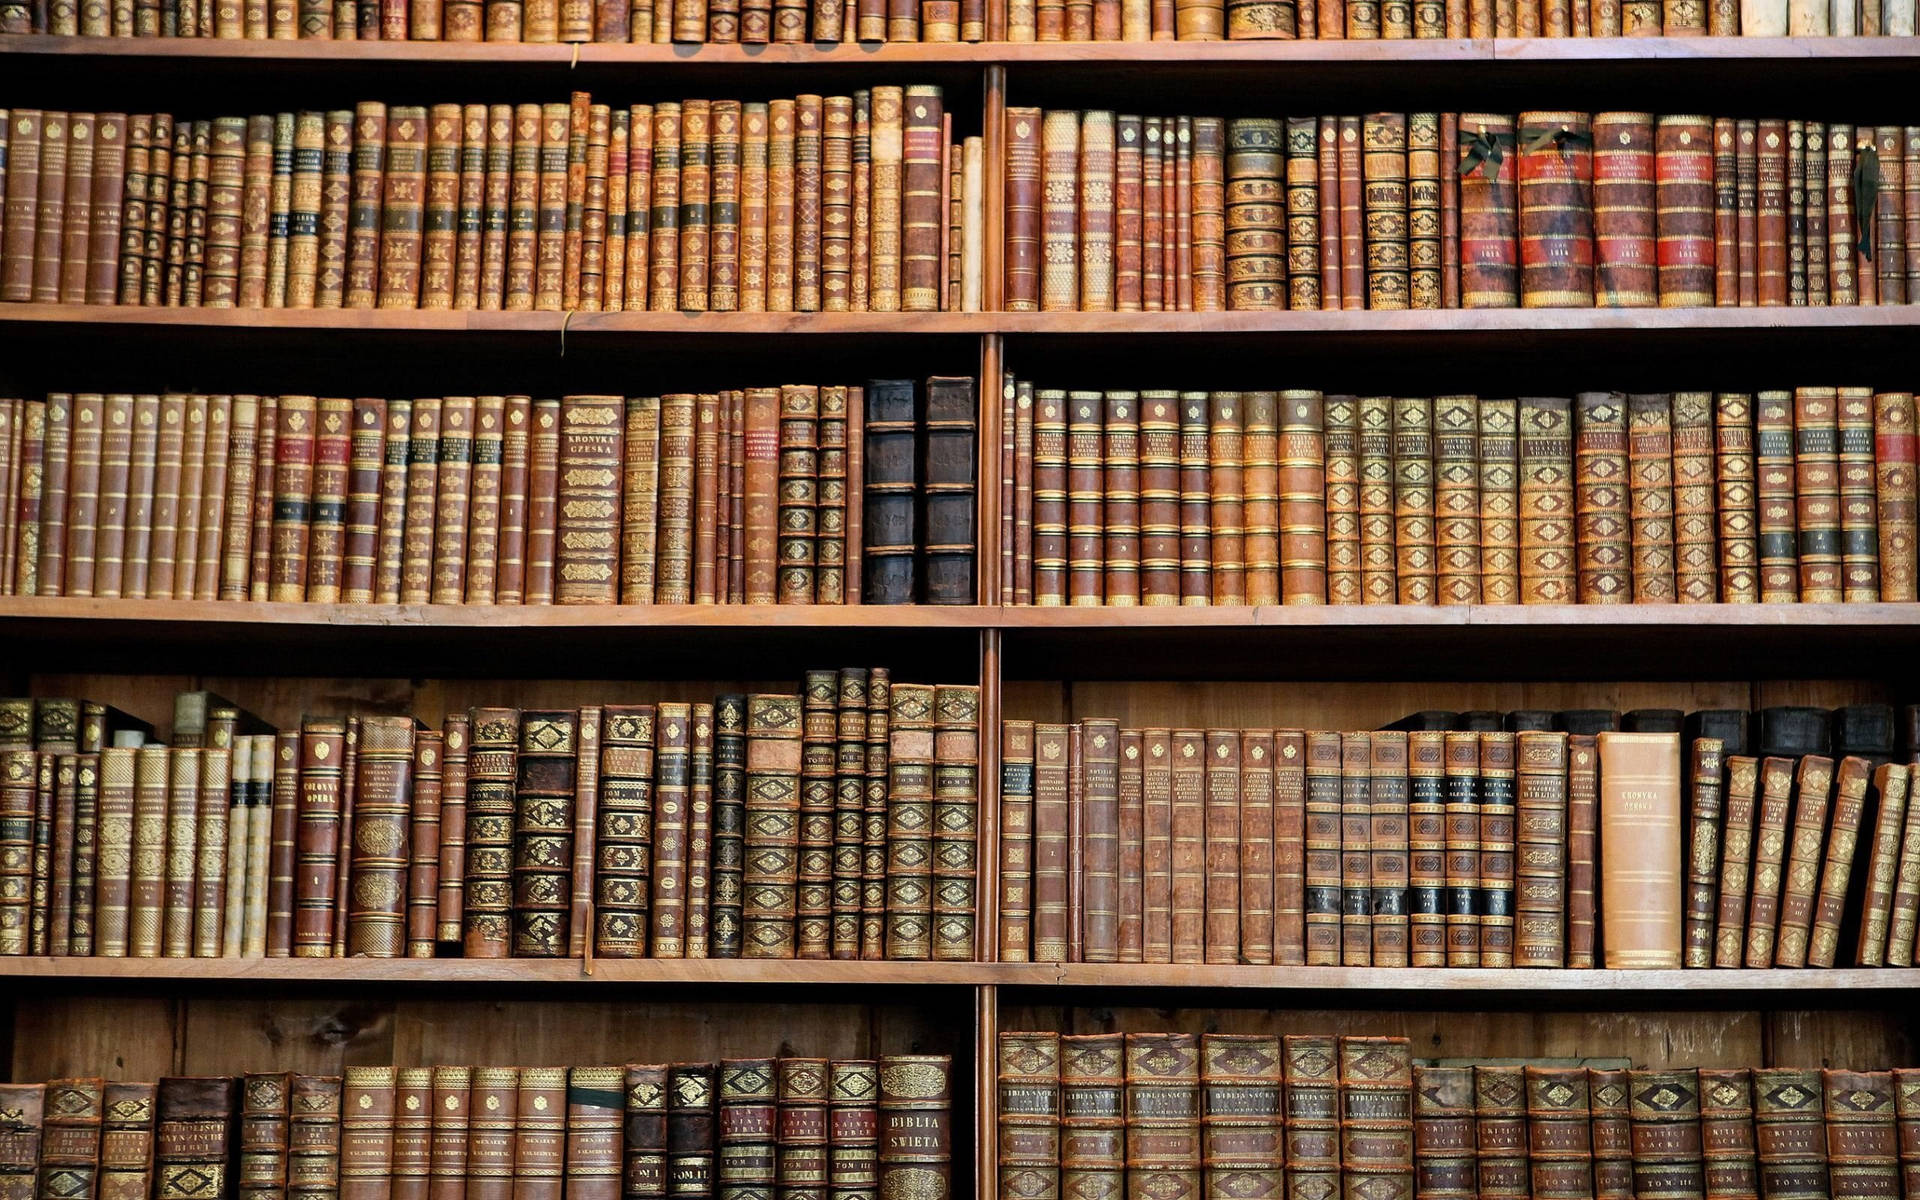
{"type": "Point", "coordinates": [795, 21]}
{"type": "Point", "coordinates": [1117, 212]}
{"type": "Point", "coordinates": [1427, 846]}
{"type": "Point", "coordinates": [838, 203]}
{"type": "Point", "coordinates": [797, 494]}
{"type": "Point", "coordinates": [849, 1129]}
{"type": "Point", "coordinates": [1298, 497]}
{"type": "Point", "coordinates": [835, 824]}
{"type": "Point", "coordinates": [1218, 1114]}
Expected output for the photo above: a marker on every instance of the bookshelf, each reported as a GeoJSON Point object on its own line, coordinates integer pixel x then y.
{"type": "Point", "coordinates": [143, 1018]}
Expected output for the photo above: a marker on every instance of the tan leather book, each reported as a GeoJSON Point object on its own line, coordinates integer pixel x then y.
{"type": "Point", "coordinates": [1799, 883]}
{"type": "Point", "coordinates": [1736, 861]}
{"type": "Point", "coordinates": [1890, 784]}
{"type": "Point", "coordinates": [1640, 903]}
{"type": "Point", "coordinates": [1769, 853]}
{"type": "Point", "coordinates": [1843, 835]}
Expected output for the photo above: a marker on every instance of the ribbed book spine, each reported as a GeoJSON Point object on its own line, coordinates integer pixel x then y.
{"type": "Point", "coordinates": [1163, 1110]}
{"type": "Point", "coordinates": [1559, 1135]}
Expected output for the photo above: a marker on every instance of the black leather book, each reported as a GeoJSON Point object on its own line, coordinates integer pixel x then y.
{"type": "Point", "coordinates": [1863, 730]}
{"type": "Point", "coordinates": [1730, 725]}
{"type": "Point", "coordinates": [1479, 720]}
{"type": "Point", "coordinates": [1528, 720]}
{"type": "Point", "coordinates": [1653, 720]}
{"type": "Point", "coordinates": [890, 528]}
{"type": "Point", "coordinates": [1431, 719]}
{"type": "Point", "coordinates": [1587, 720]}
{"type": "Point", "coordinates": [947, 469]}
{"type": "Point", "coordinates": [1788, 731]}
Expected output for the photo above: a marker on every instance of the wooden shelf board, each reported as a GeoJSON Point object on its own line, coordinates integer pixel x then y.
{"type": "Point", "coordinates": [1450, 50]}
{"type": "Point", "coordinates": [1443, 323]}
{"type": "Point", "coordinates": [1460, 980]}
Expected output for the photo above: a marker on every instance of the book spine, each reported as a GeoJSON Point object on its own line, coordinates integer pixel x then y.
{"type": "Point", "coordinates": [1684, 205]}
{"type": "Point", "coordinates": [193, 1130]}
{"type": "Point", "coordinates": [1650, 463]}
{"type": "Point", "coordinates": [1378, 548]}
{"type": "Point", "coordinates": [689, 1129]}
{"type": "Point", "coordinates": [395, 468]}
{"type": "Point", "coordinates": [1603, 533]}
{"type": "Point", "coordinates": [1018, 845]}
{"type": "Point", "coordinates": [425, 820]}
{"type": "Point", "coordinates": [126, 1141]}
{"type": "Point", "coordinates": [1891, 783]}
{"type": "Point", "coordinates": [1849, 803]}
{"type": "Point", "coordinates": [1705, 772]}
{"type": "Point", "coordinates": [1860, 569]}
{"type": "Point", "coordinates": [873, 853]}
{"type": "Point", "coordinates": [1583, 838]}
{"type": "Point", "coordinates": [449, 1131]}
{"type": "Point", "coordinates": [774, 756]}
{"type": "Point", "coordinates": [1769, 853]}
{"type": "Point", "coordinates": [1813, 798]}
{"type": "Point", "coordinates": [543, 833]}
{"type": "Point", "coordinates": [1559, 1134]}
{"type": "Point", "coordinates": [452, 500]}
{"type": "Point", "coordinates": [491, 772]}
{"type": "Point", "coordinates": [1501, 1131]}
{"type": "Point", "coordinates": [423, 474]}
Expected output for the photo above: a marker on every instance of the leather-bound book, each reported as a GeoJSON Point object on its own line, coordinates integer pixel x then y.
{"type": "Point", "coordinates": [1546, 510]}
{"type": "Point", "coordinates": [1018, 845]}
{"type": "Point", "coordinates": [1099, 914]}
{"type": "Point", "coordinates": [543, 832]}
{"type": "Point", "coordinates": [1226, 514]}
{"type": "Point", "coordinates": [1611, 1133]}
{"type": "Point", "coordinates": [402, 219]}
{"type": "Point", "coordinates": [1310, 1094]}
{"type": "Point", "coordinates": [1378, 557]}
{"type": "Point", "coordinates": [1863, 1153]}
{"type": "Point", "coordinates": [1894, 482]}
{"type": "Point", "coordinates": [890, 488]}
{"type": "Point", "coordinates": [22, 1127]}
{"type": "Point", "coordinates": [1384, 171]}
{"type": "Point", "coordinates": [1343, 501]}
{"type": "Point", "coordinates": [456, 741]}
{"type": "Point", "coordinates": [1843, 835]}
{"type": "Point", "coordinates": [1221, 822]}
{"type": "Point", "coordinates": [1541, 850]}
{"type": "Point", "coordinates": [1813, 797]}
{"type": "Point", "coordinates": [948, 479]}
{"type": "Point", "coordinates": [494, 1106]}
{"type": "Point", "coordinates": [1163, 1114]}
{"type": "Point", "coordinates": [1424, 156]}
{"type": "Point", "coordinates": [673, 777]}
{"type": "Point", "coordinates": [1817, 489]}
{"type": "Point", "coordinates": [644, 1140]}
{"type": "Point", "coordinates": [1654, 720]}
{"type": "Point", "coordinates": [322, 788]}
{"type": "Point", "coordinates": [383, 787]}
{"type": "Point", "coordinates": [1201, 202]}
{"type": "Point", "coordinates": [1583, 845]}
{"type": "Point", "coordinates": [748, 1128]}
{"type": "Point", "coordinates": [1095, 217]}
{"type": "Point", "coordinates": [1696, 577]}
{"type": "Point", "coordinates": [1489, 238]}
{"type": "Point", "coordinates": [412, 1133]}
{"type": "Point", "coordinates": [1257, 827]}
{"type": "Point", "coordinates": [366, 1133]}
{"type": "Point", "coordinates": [1023, 208]}
{"type": "Point", "coordinates": [1133, 848]}
{"type": "Point", "coordinates": [1387, 847]}
{"type": "Point", "coordinates": [1769, 856]}
{"type": "Point", "coordinates": [449, 1131]}
{"type": "Point", "coordinates": [727, 879]}
{"type": "Point", "coordinates": [1457, 499]}
{"type": "Point", "coordinates": [313, 1138]}
{"type": "Point", "coordinates": [1255, 211]}
{"type": "Point", "coordinates": [1736, 496]}
{"type": "Point", "coordinates": [1650, 462]}
{"type": "Point", "coordinates": [1704, 774]}
{"type": "Point", "coordinates": [543, 478]}
{"type": "Point", "coordinates": [1187, 859]}
{"type": "Point", "coordinates": [1789, 1132]}
{"type": "Point", "coordinates": [1683, 173]}
{"type": "Point", "coordinates": [915, 1108]}
{"type": "Point", "coordinates": [595, 1110]}
{"type": "Point", "coordinates": [1029, 1115]}
{"type": "Point", "coordinates": [1665, 1108]}
{"type": "Point", "coordinates": [1356, 902]}
{"type": "Point", "coordinates": [773, 815]}
{"type": "Point", "coordinates": [1376, 1114]}
{"type": "Point", "coordinates": [1601, 498]}
{"type": "Point", "coordinates": [910, 808]}
{"type": "Point", "coordinates": [193, 1135]}
{"type": "Point", "coordinates": [1792, 731]}
{"type": "Point", "coordinates": [798, 513]}
{"type": "Point", "coordinates": [1499, 503]}
{"type": "Point", "coordinates": [591, 459]}
{"type": "Point", "coordinates": [1443, 1151]}
{"type": "Point", "coordinates": [1555, 173]}
{"type": "Point", "coordinates": [1196, 492]}
{"type": "Point", "coordinates": [1241, 1124]}
{"type": "Point", "coordinates": [853, 1127]}
{"type": "Point", "coordinates": [1861, 570]}
{"type": "Point", "coordinates": [424, 822]}
{"type": "Point", "coordinates": [1120, 520]}
{"type": "Point", "coordinates": [1413, 500]}
{"type": "Point", "coordinates": [423, 467]}
{"type": "Point", "coordinates": [1427, 848]}
{"type": "Point", "coordinates": [1050, 493]}
{"type": "Point", "coordinates": [1906, 1102]}
{"type": "Point", "coordinates": [1844, 284]}
{"type": "Point", "coordinates": [1775, 497]}
{"type": "Point", "coordinates": [70, 1141]}
{"type": "Point", "coordinates": [1640, 838]}
{"type": "Point", "coordinates": [873, 852]}
{"type": "Point", "coordinates": [813, 901]}
{"type": "Point", "coordinates": [1559, 1137]}
{"type": "Point", "coordinates": [453, 499]}
{"type": "Point", "coordinates": [126, 1142]}
{"type": "Point", "coordinates": [1891, 784]}
{"type": "Point", "coordinates": [1746, 177]}
{"type": "Point", "coordinates": [1463, 849]}
{"type": "Point", "coordinates": [1498, 822]}
{"type": "Point", "coordinates": [1726, 1133]}
{"type": "Point", "coordinates": [540, 1133]}
{"type": "Point", "coordinates": [1303, 231]}
{"type": "Point", "coordinates": [491, 774]}
{"type": "Point", "coordinates": [1770, 232]}
{"type": "Point", "coordinates": [1624, 210]}
{"type": "Point", "coordinates": [1093, 1113]}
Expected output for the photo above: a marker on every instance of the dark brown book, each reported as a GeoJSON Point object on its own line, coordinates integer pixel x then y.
{"type": "Point", "coordinates": [1891, 784]}
{"type": "Point", "coordinates": [1800, 882]}
{"type": "Point", "coordinates": [22, 1130]}
{"type": "Point", "coordinates": [539, 1141]}
{"type": "Point", "coordinates": [126, 1142]}
{"type": "Point", "coordinates": [412, 1133]}
{"type": "Point", "coordinates": [1862, 1141]}
{"type": "Point", "coordinates": [1310, 1096]}
{"type": "Point", "coordinates": [1443, 1133]}
{"type": "Point", "coordinates": [1665, 1110]}
{"type": "Point", "coordinates": [748, 1125]}
{"type": "Point", "coordinates": [1559, 1135]}
{"type": "Point", "coordinates": [1736, 861]}
{"type": "Point", "coordinates": [1611, 1133]}
{"type": "Point", "coordinates": [193, 1135]}
{"type": "Point", "coordinates": [1836, 875]}
{"type": "Point", "coordinates": [1583, 841]}
{"type": "Point", "coordinates": [1356, 930]}
{"type": "Point", "coordinates": [1769, 859]}
{"type": "Point", "coordinates": [491, 774]}
{"type": "Point", "coordinates": [313, 1138]}
{"type": "Point", "coordinates": [774, 751]}
{"type": "Point", "coordinates": [383, 790]}
{"type": "Point", "coordinates": [1704, 775]}
{"type": "Point", "coordinates": [1241, 1122]}
{"type": "Point", "coordinates": [1163, 1107]}
{"type": "Point", "coordinates": [916, 1136]}
{"type": "Point", "coordinates": [1029, 1132]}
{"type": "Point", "coordinates": [948, 483]}
{"type": "Point", "coordinates": [493, 1108]}
{"type": "Point", "coordinates": [265, 1104]}
{"type": "Point", "coordinates": [1500, 1131]}
{"type": "Point", "coordinates": [644, 1140]}
{"type": "Point", "coordinates": [1790, 1133]}
{"type": "Point", "coordinates": [70, 1141]}
{"type": "Point", "coordinates": [800, 1160]}
{"type": "Point", "coordinates": [1726, 1133]}
{"type": "Point", "coordinates": [543, 833]}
